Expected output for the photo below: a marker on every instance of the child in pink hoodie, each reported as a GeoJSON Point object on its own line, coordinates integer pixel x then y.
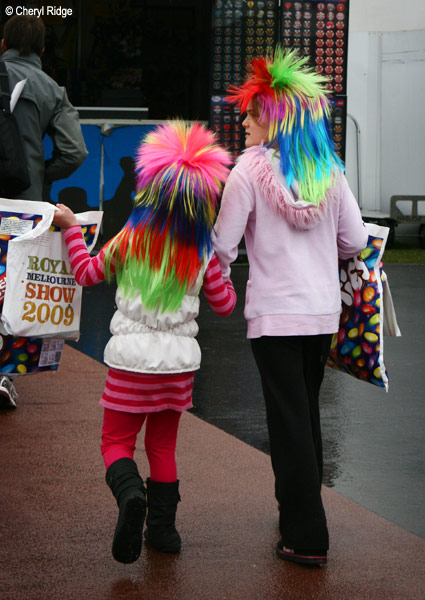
{"type": "Point", "coordinates": [288, 196]}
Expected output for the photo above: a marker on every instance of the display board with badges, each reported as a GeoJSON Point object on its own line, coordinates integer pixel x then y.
{"type": "Point", "coordinates": [244, 29]}
{"type": "Point", "coordinates": [320, 31]}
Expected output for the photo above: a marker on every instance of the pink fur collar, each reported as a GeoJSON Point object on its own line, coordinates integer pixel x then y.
{"type": "Point", "coordinates": [278, 197]}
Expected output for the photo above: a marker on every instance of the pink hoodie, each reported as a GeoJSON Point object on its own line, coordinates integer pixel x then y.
{"type": "Point", "coordinates": [293, 247]}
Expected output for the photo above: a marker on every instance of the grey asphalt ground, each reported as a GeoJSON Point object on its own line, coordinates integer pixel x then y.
{"type": "Point", "coordinates": [373, 441]}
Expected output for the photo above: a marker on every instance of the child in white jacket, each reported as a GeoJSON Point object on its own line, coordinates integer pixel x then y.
{"type": "Point", "coordinates": [161, 258]}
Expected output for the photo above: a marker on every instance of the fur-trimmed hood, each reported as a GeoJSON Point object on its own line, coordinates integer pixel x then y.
{"type": "Point", "coordinates": [285, 202]}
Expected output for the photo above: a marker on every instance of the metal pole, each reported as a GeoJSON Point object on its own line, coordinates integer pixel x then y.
{"type": "Point", "coordinates": [358, 157]}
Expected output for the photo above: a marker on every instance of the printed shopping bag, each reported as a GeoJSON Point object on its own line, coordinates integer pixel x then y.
{"type": "Point", "coordinates": [25, 355]}
{"type": "Point", "coordinates": [42, 298]}
{"type": "Point", "coordinates": [358, 347]}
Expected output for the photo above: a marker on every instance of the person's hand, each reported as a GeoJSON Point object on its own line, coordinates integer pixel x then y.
{"type": "Point", "coordinates": [64, 217]}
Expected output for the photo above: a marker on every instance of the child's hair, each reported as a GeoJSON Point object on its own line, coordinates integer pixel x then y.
{"type": "Point", "coordinates": [161, 249]}
{"type": "Point", "coordinates": [292, 100]}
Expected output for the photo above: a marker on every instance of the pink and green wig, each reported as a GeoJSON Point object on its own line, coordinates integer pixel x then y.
{"type": "Point", "coordinates": [161, 249]}
{"type": "Point", "coordinates": [292, 100]}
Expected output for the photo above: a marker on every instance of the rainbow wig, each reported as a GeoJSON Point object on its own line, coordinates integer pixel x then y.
{"type": "Point", "coordinates": [291, 98]}
{"type": "Point", "coordinates": [161, 249]}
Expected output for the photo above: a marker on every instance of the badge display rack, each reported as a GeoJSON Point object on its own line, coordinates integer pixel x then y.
{"type": "Point", "coordinates": [244, 29]}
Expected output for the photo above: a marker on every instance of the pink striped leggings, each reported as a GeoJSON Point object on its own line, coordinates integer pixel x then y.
{"type": "Point", "coordinates": [120, 431]}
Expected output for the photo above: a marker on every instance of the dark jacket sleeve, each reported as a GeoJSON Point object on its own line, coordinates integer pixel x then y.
{"type": "Point", "coordinates": [69, 148]}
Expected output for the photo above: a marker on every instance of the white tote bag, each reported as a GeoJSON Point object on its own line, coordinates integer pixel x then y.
{"type": "Point", "coordinates": [42, 298]}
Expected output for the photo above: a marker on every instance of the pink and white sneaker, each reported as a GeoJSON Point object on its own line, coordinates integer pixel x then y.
{"type": "Point", "coordinates": [302, 556]}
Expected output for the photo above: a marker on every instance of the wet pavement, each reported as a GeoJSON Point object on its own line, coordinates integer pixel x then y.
{"type": "Point", "coordinates": [374, 451]}
{"type": "Point", "coordinates": [58, 515]}
{"type": "Point", "coordinates": [374, 448]}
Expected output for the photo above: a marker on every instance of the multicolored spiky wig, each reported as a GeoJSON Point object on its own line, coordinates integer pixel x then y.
{"type": "Point", "coordinates": [160, 250]}
{"type": "Point", "coordinates": [292, 99]}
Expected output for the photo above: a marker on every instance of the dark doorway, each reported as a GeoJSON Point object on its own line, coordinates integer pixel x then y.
{"type": "Point", "coordinates": [151, 53]}
{"type": "Point", "coordinates": [131, 53]}
{"type": "Point", "coordinates": [177, 58]}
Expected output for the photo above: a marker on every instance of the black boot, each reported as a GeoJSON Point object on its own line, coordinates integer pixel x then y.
{"type": "Point", "coordinates": [127, 486]}
{"type": "Point", "coordinates": [162, 506]}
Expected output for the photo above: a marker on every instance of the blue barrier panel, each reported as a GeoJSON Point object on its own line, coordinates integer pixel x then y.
{"type": "Point", "coordinates": [87, 176]}
{"type": "Point", "coordinates": [81, 190]}
{"type": "Point", "coordinates": [120, 148]}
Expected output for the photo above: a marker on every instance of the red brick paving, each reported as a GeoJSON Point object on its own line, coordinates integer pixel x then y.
{"type": "Point", "coordinates": [58, 515]}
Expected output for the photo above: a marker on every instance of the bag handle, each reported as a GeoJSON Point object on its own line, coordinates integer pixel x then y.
{"type": "Point", "coordinates": [44, 209]}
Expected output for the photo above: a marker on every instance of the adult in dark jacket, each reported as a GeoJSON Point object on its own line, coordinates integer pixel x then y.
{"type": "Point", "coordinates": [42, 108]}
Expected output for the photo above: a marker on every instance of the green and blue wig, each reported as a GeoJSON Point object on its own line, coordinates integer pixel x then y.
{"type": "Point", "coordinates": [292, 100]}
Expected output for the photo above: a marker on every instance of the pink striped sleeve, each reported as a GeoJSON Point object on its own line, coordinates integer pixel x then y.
{"type": "Point", "coordinates": [221, 295]}
{"type": "Point", "coordinates": [87, 270]}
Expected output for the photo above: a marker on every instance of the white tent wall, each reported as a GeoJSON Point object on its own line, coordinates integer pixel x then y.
{"type": "Point", "coordinates": [386, 95]}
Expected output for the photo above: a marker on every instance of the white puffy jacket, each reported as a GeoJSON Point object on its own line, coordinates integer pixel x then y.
{"type": "Point", "coordinates": [146, 341]}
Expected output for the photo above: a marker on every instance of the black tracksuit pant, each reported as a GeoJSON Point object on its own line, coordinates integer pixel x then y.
{"type": "Point", "coordinates": [291, 370]}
